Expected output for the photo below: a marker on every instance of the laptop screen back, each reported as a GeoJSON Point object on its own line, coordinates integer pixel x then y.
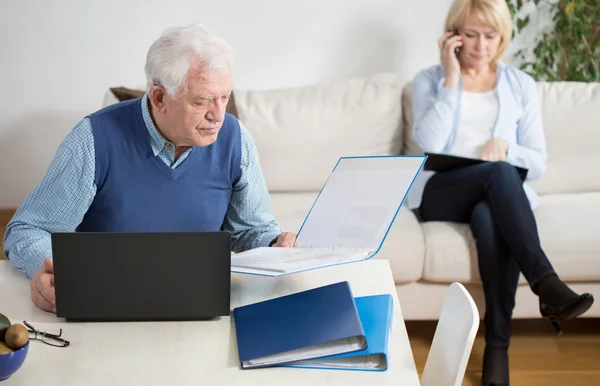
{"type": "Point", "coordinates": [142, 276]}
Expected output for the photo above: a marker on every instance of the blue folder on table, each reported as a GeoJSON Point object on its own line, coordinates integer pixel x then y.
{"type": "Point", "coordinates": [318, 322]}
{"type": "Point", "coordinates": [376, 317]}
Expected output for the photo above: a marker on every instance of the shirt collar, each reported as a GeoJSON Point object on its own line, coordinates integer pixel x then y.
{"type": "Point", "coordinates": [157, 141]}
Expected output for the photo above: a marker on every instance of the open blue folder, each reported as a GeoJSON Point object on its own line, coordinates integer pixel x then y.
{"type": "Point", "coordinates": [310, 324]}
{"type": "Point", "coordinates": [349, 220]}
{"type": "Point", "coordinates": [376, 317]}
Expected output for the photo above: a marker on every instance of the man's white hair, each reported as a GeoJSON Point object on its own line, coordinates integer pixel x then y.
{"type": "Point", "coordinates": [171, 55]}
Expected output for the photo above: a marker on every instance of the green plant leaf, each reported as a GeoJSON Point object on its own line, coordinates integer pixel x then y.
{"type": "Point", "coordinates": [522, 23]}
{"type": "Point", "coordinates": [570, 49]}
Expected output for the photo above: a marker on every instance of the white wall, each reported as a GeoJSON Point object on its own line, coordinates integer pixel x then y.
{"type": "Point", "coordinates": [59, 57]}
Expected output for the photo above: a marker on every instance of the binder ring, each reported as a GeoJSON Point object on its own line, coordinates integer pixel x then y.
{"type": "Point", "coordinates": [336, 245]}
{"type": "Point", "coordinates": [312, 246]}
{"type": "Point", "coordinates": [361, 248]}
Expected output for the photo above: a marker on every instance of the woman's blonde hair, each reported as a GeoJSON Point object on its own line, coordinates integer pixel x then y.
{"type": "Point", "coordinates": [493, 13]}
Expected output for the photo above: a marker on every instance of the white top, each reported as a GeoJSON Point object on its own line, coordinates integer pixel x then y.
{"type": "Point", "coordinates": [195, 352]}
{"type": "Point", "coordinates": [478, 114]}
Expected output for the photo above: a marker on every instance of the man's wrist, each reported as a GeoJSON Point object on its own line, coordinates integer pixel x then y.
{"type": "Point", "coordinates": [274, 241]}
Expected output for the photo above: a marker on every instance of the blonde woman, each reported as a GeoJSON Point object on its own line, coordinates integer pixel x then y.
{"type": "Point", "coordinates": [474, 105]}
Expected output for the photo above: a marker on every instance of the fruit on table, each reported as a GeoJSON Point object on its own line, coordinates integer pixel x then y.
{"type": "Point", "coordinates": [4, 325]}
{"type": "Point", "coordinates": [16, 336]}
{"type": "Point", "coordinates": [12, 336]}
{"type": "Point", "coordinates": [4, 349]}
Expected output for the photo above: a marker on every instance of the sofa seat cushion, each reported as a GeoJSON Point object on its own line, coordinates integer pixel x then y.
{"type": "Point", "coordinates": [568, 229]}
{"type": "Point", "coordinates": [403, 246]}
{"type": "Point", "coordinates": [291, 208]}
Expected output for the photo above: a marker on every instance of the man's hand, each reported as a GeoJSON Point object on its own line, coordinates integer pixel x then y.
{"type": "Point", "coordinates": [286, 240]}
{"type": "Point", "coordinates": [42, 287]}
{"type": "Point", "coordinates": [494, 150]}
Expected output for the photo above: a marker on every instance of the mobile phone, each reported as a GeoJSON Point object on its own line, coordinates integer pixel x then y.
{"type": "Point", "coordinates": [457, 49]}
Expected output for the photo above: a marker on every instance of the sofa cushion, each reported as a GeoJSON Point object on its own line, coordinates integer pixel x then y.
{"type": "Point", "coordinates": [570, 114]}
{"type": "Point", "coordinates": [410, 145]}
{"type": "Point", "coordinates": [568, 229]}
{"type": "Point", "coordinates": [300, 133]}
{"type": "Point", "coordinates": [291, 208]}
{"type": "Point", "coordinates": [403, 246]}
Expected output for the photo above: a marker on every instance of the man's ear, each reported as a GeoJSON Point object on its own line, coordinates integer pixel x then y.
{"type": "Point", "coordinates": [157, 96]}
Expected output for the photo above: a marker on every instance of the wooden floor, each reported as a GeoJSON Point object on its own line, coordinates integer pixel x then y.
{"type": "Point", "coordinates": [537, 355]}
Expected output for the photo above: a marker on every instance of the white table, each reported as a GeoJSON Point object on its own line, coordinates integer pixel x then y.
{"type": "Point", "coordinates": [192, 353]}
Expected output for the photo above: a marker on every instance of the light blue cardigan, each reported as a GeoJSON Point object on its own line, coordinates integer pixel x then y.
{"type": "Point", "coordinates": [436, 116]}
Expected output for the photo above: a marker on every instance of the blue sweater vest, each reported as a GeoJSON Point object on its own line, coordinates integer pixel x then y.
{"type": "Point", "coordinates": [138, 192]}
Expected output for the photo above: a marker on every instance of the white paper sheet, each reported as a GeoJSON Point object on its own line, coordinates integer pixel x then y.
{"type": "Point", "coordinates": [359, 201]}
{"type": "Point", "coordinates": [366, 362]}
{"type": "Point", "coordinates": [331, 348]}
{"type": "Point", "coordinates": [286, 260]}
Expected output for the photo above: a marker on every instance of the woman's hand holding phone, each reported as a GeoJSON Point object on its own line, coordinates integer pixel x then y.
{"type": "Point", "coordinates": [448, 44]}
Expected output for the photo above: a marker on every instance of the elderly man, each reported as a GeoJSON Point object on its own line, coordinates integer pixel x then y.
{"type": "Point", "coordinates": [170, 161]}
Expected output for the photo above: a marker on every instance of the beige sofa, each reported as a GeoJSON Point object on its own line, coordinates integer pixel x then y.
{"type": "Point", "coordinates": [301, 132]}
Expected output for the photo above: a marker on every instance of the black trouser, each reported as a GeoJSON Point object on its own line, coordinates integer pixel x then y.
{"type": "Point", "coordinates": [490, 197]}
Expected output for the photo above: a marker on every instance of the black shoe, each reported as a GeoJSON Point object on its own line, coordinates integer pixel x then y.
{"type": "Point", "coordinates": [567, 311]}
{"type": "Point", "coordinates": [495, 366]}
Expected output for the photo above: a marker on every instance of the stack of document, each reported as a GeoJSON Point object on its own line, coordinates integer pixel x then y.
{"type": "Point", "coordinates": [325, 327]}
{"type": "Point", "coordinates": [348, 221]}
{"type": "Point", "coordinates": [279, 261]}
{"type": "Point", "coordinates": [376, 318]}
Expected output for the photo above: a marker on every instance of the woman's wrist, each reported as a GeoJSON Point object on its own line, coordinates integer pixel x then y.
{"type": "Point", "coordinates": [451, 82]}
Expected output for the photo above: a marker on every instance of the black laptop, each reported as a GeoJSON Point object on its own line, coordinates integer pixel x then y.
{"type": "Point", "coordinates": [142, 276]}
{"type": "Point", "coordinates": [446, 162]}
